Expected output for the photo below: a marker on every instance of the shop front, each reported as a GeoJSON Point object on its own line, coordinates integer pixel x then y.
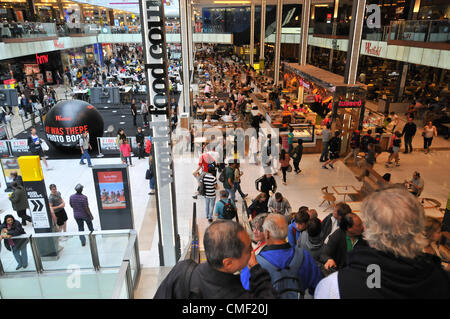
{"type": "Point", "coordinates": [72, 57]}
{"type": "Point", "coordinates": [39, 68]}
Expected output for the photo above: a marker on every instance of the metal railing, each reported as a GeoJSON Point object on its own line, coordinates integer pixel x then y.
{"type": "Point", "coordinates": [194, 252]}
{"type": "Point", "coordinates": [108, 251]}
{"type": "Point", "coordinates": [420, 30]}
{"type": "Point", "coordinates": [28, 30]}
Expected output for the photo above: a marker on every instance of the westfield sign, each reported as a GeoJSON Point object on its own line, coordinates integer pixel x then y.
{"type": "Point", "coordinates": [374, 50]}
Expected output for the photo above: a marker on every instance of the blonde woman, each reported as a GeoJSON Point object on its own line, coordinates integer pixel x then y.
{"type": "Point", "coordinates": [428, 132]}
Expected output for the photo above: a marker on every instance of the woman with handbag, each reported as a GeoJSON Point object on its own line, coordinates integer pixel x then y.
{"type": "Point", "coordinates": [36, 146]}
{"type": "Point", "coordinates": [9, 229]}
{"type": "Point", "coordinates": [284, 162]}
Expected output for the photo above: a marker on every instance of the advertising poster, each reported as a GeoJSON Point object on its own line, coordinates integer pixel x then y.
{"type": "Point", "coordinates": [4, 150]}
{"type": "Point", "coordinates": [49, 76]}
{"type": "Point", "coordinates": [111, 190]}
{"type": "Point", "coordinates": [19, 147]}
{"type": "Point", "coordinates": [9, 165]}
{"type": "Point", "coordinates": [108, 146]}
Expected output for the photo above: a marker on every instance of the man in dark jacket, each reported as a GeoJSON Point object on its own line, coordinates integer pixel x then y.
{"type": "Point", "coordinates": [297, 154]}
{"type": "Point", "coordinates": [140, 142]}
{"type": "Point", "coordinates": [409, 130]}
{"type": "Point", "coordinates": [366, 140]}
{"type": "Point", "coordinates": [266, 184]}
{"type": "Point", "coordinates": [393, 265]}
{"type": "Point", "coordinates": [331, 222]}
{"type": "Point", "coordinates": [19, 202]}
{"type": "Point", "coordinates": [228, 250]}
{"type": "Point", "coordinates": [343, 240]}
{"type": "Point", "coordinates": [9, 229]}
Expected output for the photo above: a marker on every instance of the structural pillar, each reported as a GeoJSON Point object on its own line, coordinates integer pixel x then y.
{"type": "Point", "coordinates": [155, 60]}
{"type": "Point", "coordinates": [276, 74]}
{"type": "Point", "coordinates": [252, 32]}
{"type": "Point", "coordinates": [354, 41]}
{"type": "Point", "coordinates": [185, 49]}
{"type": "Point", "coordinates": [81, 13]}
{"type": "Point", "coordinates": [262, 35]}
{"type": "Point", "coordinates": [412, 14]}
{"type": "Point", "coordinates": [334, 21]}
{"type": "Point", "coordinates": [191, 26]}
{"type": "Point", "coordinates": [61, 10]}
{"type": "Point", "coordinates": [401, 84]}
{"type": "Point", "coordinates": [306, 12]}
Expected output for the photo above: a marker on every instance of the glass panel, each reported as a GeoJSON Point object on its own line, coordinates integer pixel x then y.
{"type": "Point", "coordinates": [20, 287]}
{"type": "Point", "coordinates": [124, 290]}
{"type": "Point", "coordinates": [78, 285]}
{"type": "Point", "coordinates": [111, 249]}
{"type": "Point", "coordinates": [10, 260]}
{"type": "Point", "coordinates": [71, 254]}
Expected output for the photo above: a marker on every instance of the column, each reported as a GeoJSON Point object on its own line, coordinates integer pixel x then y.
{"type": "Point", "coordinates": [263, 34]}
{"type": "Point", "coordinates": [32, 10]}
{"type": "Point", "coordinates": [110, 17]}
{"type": "Point", "coordinates": [276, 75]}
{"type": "Point", "coordinates": [334, 21]}
{"type": "Point", "coordinates": [184, 33]}
{"type": "Point", "coordinates": [412, 14]}
{"type": "Point", "coordinates": [61, 10]}
{"type": "Point", "coordinates": [252, 32]}
{"type": "Point", "coordinates": [81, 13]}
{"type": "Point", "coordinates": [401, 84]}
{"type": "Point", "coordinates": [306, 12]}
{"type": "Point", "coordinates": [191, 26]}
{"type": "Point", "coordinates": [155, 58]}
{"type": "Point", "coordinates": [354, 41]}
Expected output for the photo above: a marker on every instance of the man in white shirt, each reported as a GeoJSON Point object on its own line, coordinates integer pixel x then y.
{"type": "Point", "coordinates": [331, 222]}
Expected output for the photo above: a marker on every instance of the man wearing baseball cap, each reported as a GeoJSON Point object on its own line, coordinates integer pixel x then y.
{"type": "Point", "coordinates": [81, 211]}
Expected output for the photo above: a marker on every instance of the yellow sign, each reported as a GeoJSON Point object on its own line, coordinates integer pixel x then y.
{"type": "Point", "coordinates": [30, 167]}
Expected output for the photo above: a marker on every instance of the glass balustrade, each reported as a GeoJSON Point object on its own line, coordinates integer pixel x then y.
{"type": "Point", "coordinates": [59, 266]}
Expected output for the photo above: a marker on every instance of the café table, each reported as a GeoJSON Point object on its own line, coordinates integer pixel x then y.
{"type": "Point", "coordinates": [345, 190]}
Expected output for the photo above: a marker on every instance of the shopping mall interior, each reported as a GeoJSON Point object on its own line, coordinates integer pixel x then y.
{"type": "Point", "coordinates": [206, 149]}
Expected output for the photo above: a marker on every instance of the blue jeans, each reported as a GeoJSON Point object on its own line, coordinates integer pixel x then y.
{"type": "Point", "coordinates": [237, 187]}
{"type": "Point", "coordinates": [21, 255]}
{"type": "Point", "coordinates": [80, 222]}
{"type": "Point", "coordinates": [324, 155]}
{"type": "Point", "coordinates": [231, 193]}
{"type": "Point", "coordinates": [86, 156]}
{"type": "Point", "coordinates": [209, 204]}
{"type": "Point", "coordinates": [152, 183]}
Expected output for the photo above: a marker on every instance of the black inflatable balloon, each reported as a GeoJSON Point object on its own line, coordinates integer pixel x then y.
{"type": "Point", "coordinates": [66, 121]}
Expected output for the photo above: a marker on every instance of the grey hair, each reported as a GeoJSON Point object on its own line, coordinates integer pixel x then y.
{"type": "Point", "coordinates": [258, 221]}
{"type": "Point", "coordinates": [276, 230]}
{"type": "Point", "coordinates": [394, 222]}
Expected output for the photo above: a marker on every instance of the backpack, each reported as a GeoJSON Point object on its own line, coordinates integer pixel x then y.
{"type": "Point", "coordinates": [222, 176]}
{"type": "Point", "coordinates": [228, 212]}
{"type": "Point", "coordinates": [201, 186]}
{"type": "Point", "coordinates": [286, 281]}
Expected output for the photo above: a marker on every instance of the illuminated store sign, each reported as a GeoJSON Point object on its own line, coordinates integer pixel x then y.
{"type": "Point", "coordinates": [350, 103]}
{"type": "Point", "coordinates": [41, 59]}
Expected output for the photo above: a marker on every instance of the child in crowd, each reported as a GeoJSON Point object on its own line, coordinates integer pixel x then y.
{"type": "Point", "coordinates": [125, 151]}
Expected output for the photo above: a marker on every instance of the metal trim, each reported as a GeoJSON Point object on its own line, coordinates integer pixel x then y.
{"type": "Point", "coordinates": [94, 251]}
{"type": "Point", "coordinates": [36, 255]}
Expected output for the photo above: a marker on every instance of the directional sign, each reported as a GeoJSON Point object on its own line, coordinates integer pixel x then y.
{"type": "Point", "coordinates": [38, 213]}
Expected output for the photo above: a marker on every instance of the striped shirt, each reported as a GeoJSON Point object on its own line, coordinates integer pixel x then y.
{"type": "Point", "coordinates": [210, 182]}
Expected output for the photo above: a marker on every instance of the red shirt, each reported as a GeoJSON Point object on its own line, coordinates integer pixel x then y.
{"type": "Point", "coordinates": [125, 149]}
{"type": "Point", "coordinates": [204, 161]}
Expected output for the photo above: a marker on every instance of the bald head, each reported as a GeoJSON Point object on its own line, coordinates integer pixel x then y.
{"type": "Point", "coordinates": [275, 227]}
{"type": "Point", "coordinates": [222, 241]}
